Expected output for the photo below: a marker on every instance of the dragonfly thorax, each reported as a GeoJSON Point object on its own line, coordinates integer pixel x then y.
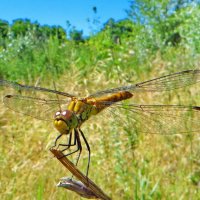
{"type": "Point", "coordinates": [65, 121]}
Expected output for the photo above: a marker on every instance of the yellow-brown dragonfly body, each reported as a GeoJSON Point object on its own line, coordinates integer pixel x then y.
{"type": "Point", "coordinates": [80, 110]}
{"type": "Point", "coordinates": [69, 112]}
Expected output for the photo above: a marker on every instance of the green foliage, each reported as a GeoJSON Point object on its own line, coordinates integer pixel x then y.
{"type": "Point", "coordinates": [76, 35]}
{"type": "Point", "coordinates": [158, 37]}
{"type": "Point", "coordinates": [160, 28]}
{"type": "Point", "coordinates": [20, 27]}
{"type": "Point", "coordinates": [4, 28]}
{"type": "Point", "coordinates": [168, 22]}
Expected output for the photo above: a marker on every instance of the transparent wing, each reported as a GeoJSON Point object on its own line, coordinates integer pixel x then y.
{"type": "Point", "coordinates": [164, 83]}
{"type": "Point", "coordinates": [36, 107]}
{"type": "Point", "coordinates": [38, 102]}
{"type": "Point", "coordinates": [158, 119]}
{"type": "Point", "coordinates": [32, 89]}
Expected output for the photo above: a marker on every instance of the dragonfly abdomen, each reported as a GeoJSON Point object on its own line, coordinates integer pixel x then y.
{"type": "Point", "coordinates": [85, 108]}
{"type": "Point", "coordinates": [104, 102]}
{"type": "Point", "coordinates": [120, 96]}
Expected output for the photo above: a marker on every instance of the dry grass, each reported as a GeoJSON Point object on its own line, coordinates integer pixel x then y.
{"type": "Point", "coordinates": [127, 165]}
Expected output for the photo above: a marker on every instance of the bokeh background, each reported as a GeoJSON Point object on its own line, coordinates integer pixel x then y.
{"type": "Point", "coordinates": [84, 47]}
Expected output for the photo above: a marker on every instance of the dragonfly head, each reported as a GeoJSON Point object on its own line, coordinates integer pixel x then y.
{"type": "Point", "coordinates": [65, 121]}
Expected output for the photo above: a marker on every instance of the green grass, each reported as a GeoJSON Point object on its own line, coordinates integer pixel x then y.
{"type": "Point", "coordinates": [125, 163]}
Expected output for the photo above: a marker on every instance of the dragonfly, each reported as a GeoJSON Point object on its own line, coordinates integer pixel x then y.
{"type": "Point", "coordinates": [68, 112]}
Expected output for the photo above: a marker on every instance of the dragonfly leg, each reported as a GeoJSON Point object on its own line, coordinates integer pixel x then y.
{"type": "Point", "coordinates": [88, 148]}
{"type": "Point", "coordinates": [69, 144]}
{"type": "Point", "coordinates": [55, 143]}
{"type": "Point", "coordinates": [79, 146]}
{"type": "Point", "coordinates": [77, 142]}
{"type": "Point", "coordinates": [69, 141]}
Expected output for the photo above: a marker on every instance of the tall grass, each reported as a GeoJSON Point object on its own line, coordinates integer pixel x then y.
{"type": "Point", "coordinates": [125, 163]}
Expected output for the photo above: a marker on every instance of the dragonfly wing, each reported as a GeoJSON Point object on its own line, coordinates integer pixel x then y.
{"type": "Point", "coordinates": [159, 119]}
{"type": "Point", "coordinates": [32, 90]}
{"type": "Point", "coordinates": [35, 107]}
{"type": "Point", "coordinates": [164, 83]}
{"type": "Point", "coordinates": [38, 102]}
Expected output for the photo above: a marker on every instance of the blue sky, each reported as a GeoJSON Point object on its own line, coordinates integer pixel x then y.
{"type": "Point", "coordinates": [57, 12]}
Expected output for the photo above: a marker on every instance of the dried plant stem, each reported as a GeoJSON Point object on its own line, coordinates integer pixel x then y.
{"type": "Point", "coordinates": [79, 175]}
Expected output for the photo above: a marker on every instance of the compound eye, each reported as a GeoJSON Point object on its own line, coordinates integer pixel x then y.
{"type": "Point", "coordinates": [64, 113]}
{"type": "Point", "coordinates": [57, 114]}
{"type": "Point", "coordinates": [67, 114]}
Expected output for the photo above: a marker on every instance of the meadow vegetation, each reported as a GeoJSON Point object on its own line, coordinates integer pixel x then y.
{"type": "Point", "coordinates": [156, 39]}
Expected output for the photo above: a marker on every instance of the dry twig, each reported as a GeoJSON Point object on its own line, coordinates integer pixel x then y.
{"type": "Point", "coordinates": [88, 189]}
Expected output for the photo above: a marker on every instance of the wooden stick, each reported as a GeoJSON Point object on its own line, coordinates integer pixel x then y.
{"type": "Point", "coordinates": [79, 175]}
{"type": "Point", "coordinates": [76, 186]}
